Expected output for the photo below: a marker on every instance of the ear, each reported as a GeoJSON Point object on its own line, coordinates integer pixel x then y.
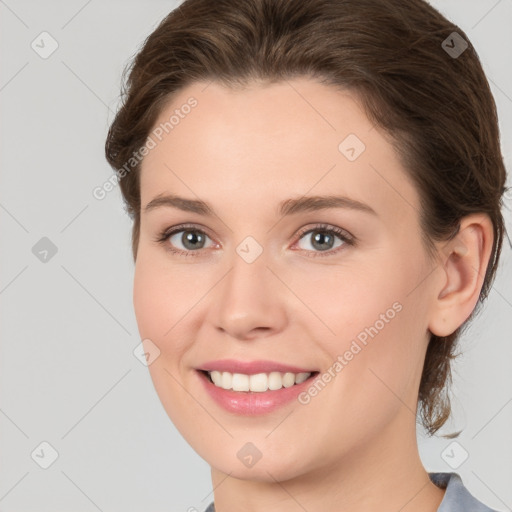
{"type": "Point", "coordinates": [463, 263]}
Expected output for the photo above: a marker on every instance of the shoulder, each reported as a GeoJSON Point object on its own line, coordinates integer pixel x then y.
{"type": "Point", "coordinates": [457, 497]}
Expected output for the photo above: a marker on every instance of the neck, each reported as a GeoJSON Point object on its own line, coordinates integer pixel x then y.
{"type": "Point", "coordinates": [384, 475]}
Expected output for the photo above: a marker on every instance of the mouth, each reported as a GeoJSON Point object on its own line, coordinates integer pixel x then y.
{"type": "Point", "coordinates": [258, 382]}
{"type": "Point", "coordinates": [251, 394]}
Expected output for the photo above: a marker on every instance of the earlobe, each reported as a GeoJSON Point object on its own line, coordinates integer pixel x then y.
{"type": "Point", "coordinates": [463, 263]}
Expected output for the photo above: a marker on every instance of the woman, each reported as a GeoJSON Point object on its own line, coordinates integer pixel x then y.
{"type": "Point", "coordinates": [315, 188]}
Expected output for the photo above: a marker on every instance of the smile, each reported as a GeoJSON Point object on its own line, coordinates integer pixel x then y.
{"type": "Point", "coordinates": [257, 383]}
{"type": "Point", "coordinates": [251, 389]}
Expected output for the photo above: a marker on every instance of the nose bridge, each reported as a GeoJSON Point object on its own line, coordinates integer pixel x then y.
{"type": "Point", "coordinates": [249, 274]}
{"type": "Point", "coordinates": [247, 259]}
{"type": "Point", "coordinates": [249, 297]}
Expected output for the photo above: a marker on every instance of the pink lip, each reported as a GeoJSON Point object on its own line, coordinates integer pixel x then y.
{"type": "Point", "coordinates": [250, 367]}
{"type": "Point", "coordinates": [252, 403]}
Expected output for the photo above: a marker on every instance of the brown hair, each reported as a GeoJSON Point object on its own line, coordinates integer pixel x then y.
{"type": "Point", "coordinates": [437, 108]}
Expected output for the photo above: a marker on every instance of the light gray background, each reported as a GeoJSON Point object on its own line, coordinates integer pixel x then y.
{"type": "Point", "coordinates": [68, 375]}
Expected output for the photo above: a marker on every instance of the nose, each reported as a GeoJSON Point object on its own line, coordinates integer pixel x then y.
{"type": "Point", "coordinates": [250, 301]}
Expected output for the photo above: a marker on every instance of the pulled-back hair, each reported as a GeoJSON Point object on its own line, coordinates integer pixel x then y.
{"type": "Point", "coordinates": [435, 105]}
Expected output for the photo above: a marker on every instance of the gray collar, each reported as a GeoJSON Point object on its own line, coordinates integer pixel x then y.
{"type": "Point", "coordinates": [457, 498]}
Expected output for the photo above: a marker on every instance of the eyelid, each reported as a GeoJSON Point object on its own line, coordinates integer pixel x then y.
{"type": "Point", "coordinates": [325, 227]}
{"type": "Point", "coordinates": [183, 227]}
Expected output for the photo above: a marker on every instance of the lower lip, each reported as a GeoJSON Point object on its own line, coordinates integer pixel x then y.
{"type": "Point", "coordinates": [251, 403]}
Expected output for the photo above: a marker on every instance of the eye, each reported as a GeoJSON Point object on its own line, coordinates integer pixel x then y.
{"type": "Point", "coordinates": [322, 239]}
{"type": "Point", "coordinates": [184, 240]}
{"type": "Point", "coordinates": [189, 240]}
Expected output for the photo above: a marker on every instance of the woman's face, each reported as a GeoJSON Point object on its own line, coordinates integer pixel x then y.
{"type": "Point", "coordinates": [261, 284]}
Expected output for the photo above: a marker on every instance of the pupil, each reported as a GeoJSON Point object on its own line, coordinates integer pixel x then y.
{"type": "Point", "coordinates": [320, 239]}
{"type": "Point", "coordinates": [191, 238]}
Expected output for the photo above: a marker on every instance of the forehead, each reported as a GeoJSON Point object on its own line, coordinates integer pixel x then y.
{"type": "Point", "coordinates": [265, 143]}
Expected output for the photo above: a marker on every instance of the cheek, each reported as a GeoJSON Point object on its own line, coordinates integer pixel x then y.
{"type": "Point", "coordinates": [161, 300]}
{"type": "Point", "coordinates": [376, 323]}
{"type": "Point", "coordinates": [344, 300]}
{"type": "Point", "coordinates": [162, 296]}
{"type": "Point", "coordinates": [151, 301]}
{"type": "Point", "coordinates": [376, 378]}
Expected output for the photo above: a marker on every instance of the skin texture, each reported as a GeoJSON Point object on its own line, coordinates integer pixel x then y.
{"type": "Point", "coordinates": [353, 446]}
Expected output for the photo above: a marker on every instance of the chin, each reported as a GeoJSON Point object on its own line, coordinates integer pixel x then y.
{"type": "Point", "coordinates": [269, 468]}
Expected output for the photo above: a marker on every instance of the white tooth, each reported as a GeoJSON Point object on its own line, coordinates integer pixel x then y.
{"type": "Point", "coordinates": [227, 380]}
{"type": "Point", "coordinates": [240, 382]}
{"type": "Point", "coordinates": [301, 377]}
{"type": "Point", "coordinates": [275, 381]}
{"type": "Point", "coordinates": [216, 377]}
{"type": "Point", "coordinates": [288, 380]}
{"type": "Point", "coordinates": [258, 382]}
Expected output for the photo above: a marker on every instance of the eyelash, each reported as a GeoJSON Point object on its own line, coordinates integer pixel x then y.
{"type": "Point", "coordinates": [164, 236]}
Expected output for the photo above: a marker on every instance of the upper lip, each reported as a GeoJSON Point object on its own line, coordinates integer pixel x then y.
{"type": "Point", "coordinates": [251, 367]}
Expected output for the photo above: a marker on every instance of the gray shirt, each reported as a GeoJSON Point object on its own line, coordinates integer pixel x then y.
{"type": "Point", "coordinates": [456, 498]}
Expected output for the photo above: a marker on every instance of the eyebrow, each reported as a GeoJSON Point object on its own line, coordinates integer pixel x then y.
{"type": "Point", "coordinates": [287, 207]}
